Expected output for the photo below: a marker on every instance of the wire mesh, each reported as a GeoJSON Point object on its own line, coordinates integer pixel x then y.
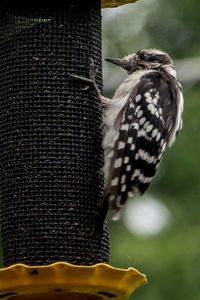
{"type": "Point", "coordinates": [50, 135]}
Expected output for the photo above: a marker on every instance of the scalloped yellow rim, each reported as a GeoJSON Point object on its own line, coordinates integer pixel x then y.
{"type": "Point", "coordinates": [115, 3]}
{"type": "Point", "coordinates": [62, 280]}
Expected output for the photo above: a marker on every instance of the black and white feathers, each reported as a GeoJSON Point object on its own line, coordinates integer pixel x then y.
{"type": "Point", "coordinates": [143, 117]}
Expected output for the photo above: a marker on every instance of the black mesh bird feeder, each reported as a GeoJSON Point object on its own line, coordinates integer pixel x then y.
{"type": "Point", "coordinates": [51, 155]}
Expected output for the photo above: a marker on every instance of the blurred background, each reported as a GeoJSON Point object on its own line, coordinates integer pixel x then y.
{"type": "Point", "coordinates": [159, 234]}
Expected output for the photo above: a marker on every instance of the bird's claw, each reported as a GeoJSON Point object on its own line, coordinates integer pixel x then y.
{"type": "Point", "coordinates": [91, 80]}
{"type": "Point", "coordinates": [92, 74]}
{"type": "Point", "coordinates": [92, 70]}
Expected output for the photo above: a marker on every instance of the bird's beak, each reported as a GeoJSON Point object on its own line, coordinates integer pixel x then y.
{"type": "Point", "coordinates": [119, 62]}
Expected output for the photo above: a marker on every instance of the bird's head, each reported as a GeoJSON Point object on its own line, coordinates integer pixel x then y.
{"type": "Point", "coordinates": [144, 59]}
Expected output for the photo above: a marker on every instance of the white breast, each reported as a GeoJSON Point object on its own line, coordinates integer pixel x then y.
{"type": "Point", "coordinates": [113, 108]}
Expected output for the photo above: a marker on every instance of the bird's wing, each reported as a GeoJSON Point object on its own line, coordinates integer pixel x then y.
{"type": "Point", "coordinates": [148, 118]}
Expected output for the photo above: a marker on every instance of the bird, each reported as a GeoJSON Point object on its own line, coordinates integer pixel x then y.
{"type": "Point", "coordinates": [142, 118]}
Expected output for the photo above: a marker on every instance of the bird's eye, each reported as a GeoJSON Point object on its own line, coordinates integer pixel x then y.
{"type": "Point", "coordinates": [148, 57]}
{"type": "Point", "coordinates": [142, 56]}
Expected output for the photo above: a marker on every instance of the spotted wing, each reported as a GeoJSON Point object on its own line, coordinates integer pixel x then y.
{"type": "Point", "coordinates": [148, 119]}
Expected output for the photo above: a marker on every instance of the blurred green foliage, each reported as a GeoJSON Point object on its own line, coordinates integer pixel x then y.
{"type": "Point", "coordinates": [170, 259]}
{"type": "Point", "coordinates": [172, 25]}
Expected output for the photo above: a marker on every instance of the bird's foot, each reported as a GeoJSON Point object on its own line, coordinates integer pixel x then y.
{"type": "Point", "coordinates": [91, 80]}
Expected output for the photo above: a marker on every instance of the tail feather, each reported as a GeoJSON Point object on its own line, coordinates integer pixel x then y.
{"type": "Point", "coordinates": [101, 213]}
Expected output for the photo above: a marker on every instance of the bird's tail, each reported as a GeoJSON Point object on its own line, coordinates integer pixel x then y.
{"type": "Point", "coordinates": [101, 213]}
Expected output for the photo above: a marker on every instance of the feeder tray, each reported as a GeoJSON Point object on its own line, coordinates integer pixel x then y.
{"type": "Point", "coordinates": [66, 281]}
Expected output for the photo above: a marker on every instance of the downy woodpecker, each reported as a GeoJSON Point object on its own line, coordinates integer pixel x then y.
{"type": "Point", "coordinates": [143, 117]}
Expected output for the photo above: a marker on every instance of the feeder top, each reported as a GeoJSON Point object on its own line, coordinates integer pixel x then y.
{"type": "Point", "coordinates": [115, 3]}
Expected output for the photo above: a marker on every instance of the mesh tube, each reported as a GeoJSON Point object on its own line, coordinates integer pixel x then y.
{"type": "Point", "coordinates": [50, 135]}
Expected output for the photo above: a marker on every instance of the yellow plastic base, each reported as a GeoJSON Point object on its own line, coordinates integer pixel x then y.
{"type": "Point", "coordinates": [65, 281]}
